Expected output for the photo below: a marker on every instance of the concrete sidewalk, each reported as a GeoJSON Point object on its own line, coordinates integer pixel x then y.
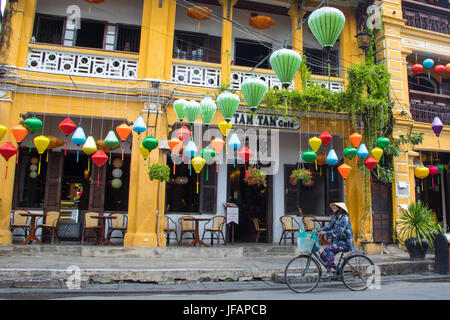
{"type": "Point", "coordinates": [248, 266]}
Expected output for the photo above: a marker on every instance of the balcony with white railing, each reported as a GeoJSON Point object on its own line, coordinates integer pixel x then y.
{"type": "Point", "coordinates": [239, 74]}
{"type": "Point", "coordinates": [191, 73]}
{"type": "Point", "coordinates": [82, 62]}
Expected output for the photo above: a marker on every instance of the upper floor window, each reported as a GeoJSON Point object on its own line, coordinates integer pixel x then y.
{"type": "Point", "coordinates": [91, 34]}
{"type": "Point", "coordinates": [128, 38]}
{"type": "Point", "coordinates": [196, 47]}
{"type": "Point", "coordinates": [317, 61]}
{"type": "Point", "coordinates": [48, 29]}
{"type": "Point", "coordinates": [249, 53]}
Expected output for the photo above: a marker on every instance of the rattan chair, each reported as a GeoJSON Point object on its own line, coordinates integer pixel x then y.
{"type": "Point", "coordinates": [169, 227]}
{"type": "Point", "coordinates": [309, 224]}
{"type": "Point", "coordinates": [20, 222]}
{"type": "Point", "coordinates": [287, 223]}
{"type": "Point", "coordinates": [120, 223]}
{"type": "Point", "coordinates": [217, 227]}
{"type": "Point", "coordinates": [187, 226]}
{"type": "Point", "coordinates": [89, 224]}
{"type": "Point", "coordinates": [259, 228]}
{"type": "Point", "coordinates": [51, 223]}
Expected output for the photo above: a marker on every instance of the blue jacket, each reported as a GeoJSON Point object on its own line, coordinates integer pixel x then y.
{"type": "Point", "coordinates": [340, 228]}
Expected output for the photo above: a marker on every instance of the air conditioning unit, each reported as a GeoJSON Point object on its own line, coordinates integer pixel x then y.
{"type": "Point", "coordinates": [402, 189]}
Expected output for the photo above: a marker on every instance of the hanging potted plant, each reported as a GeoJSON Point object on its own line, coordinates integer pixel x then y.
{"type": "Point", "coordinates": [300, 174]}
{"type": "Point", "coordinates": [159, 172]}
{"type": "Point", "coordinates": [418, 227]}
{"type": "Point", "coordinates": [255, 177]}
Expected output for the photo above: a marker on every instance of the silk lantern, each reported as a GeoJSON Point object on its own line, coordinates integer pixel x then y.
{"type": "Point", "coordinates": [332, 159]}
{"type": "Point", "coordinates": [7, 150]}
{"type": "Point", "coordinates": [234, 144]}
{"type": "Point", "coordinates": [33, 124]}
{"type": "Point", "coordinates": [370, 163]}
{"type": "Point", "coordinates": [439, 69]}
{"type": "Point", "coordinates": [260, 22]}
{"type": "Point", "coordinates": [41, 143]}
{"type": "Point", "coordinates": [253, 90]}
{"type": "Point", "coordinates": [245, 154]}
{"type": "Point", "coordinates": [376, 153]}
{"type": "Point", "coordinates": [208, 110]}
{"type": "Point", "coordinates": [447, 67]}
{"type": "Point", "coordinates": [433, 170]}
{"type": "Point", "coordinates": [144, 151]}
{"type": "Point", "coordinates": [89, 148]}
{"type": "Point", "coordinates": [111, 140]}
{"type": "Point", "coordinates": [183, 133]}
{"type": "Point", "coordinates": [421, 172]}
{"type": "Point", "coordinates": [198, 163]}
{"type": "Point", "coordinates": [192, 110]}
{"type": "Point", "coordinates": [428, 63]}
{"type": "Point", "coordinates": [178, 105]}
{"type": "Point", "coordinates": [139, 126]}
{"type": "Point", "coordinates": [326, 25]}
{"type": "Point", "coordinates": [217, 144]}
{"type": "Point", "coordinates": [99, 158]}
{"type": "Point", "coordinates": [315, 144]}
{"type": "Point", "coordinates": [3, 131]}
{"type": "Point", "coordinates": [175, 146]}
{"type": "Point", "coordinates": [54, 142]}
{"type": "Point", "coordinates": [309, 156]}
{"type": "Point", "coordinates": [417, 68]}
{"type": "Point", "coordinates": [382, 142]}
{"type": "Point", "coordinates": [350, 152]}
{"type": "Point", "coordinates": [67, 126]}
{"type": "Point", "coordinates": [78, 138]}
{"type": "Point", "coordinates": [285, 63]}
{"type": "Point", "coordinates": [199, 13]}
{"type": "Point", "coordinates": [225, 128]}
{"type": "Point", "coordinates": [190, 151]}
{"type": "Point", "coordinates": [325, 137]}
{"type": "Point", "coordinates": [362, 151]}
{"type": "Point", "coordinates": [228, 103]}
{"type": "Point", "coordinates": [440, 169]}
{"type": "Point", "coordinates": [150, 143]}
{"type": "Point", "coordinates": [116, 183]}
{"type": "Point", "coordinates": [344, 170]}
{"type": "Point", "coordinates": [355, 139]}
{"type": "Point", "coordinates": [19, 132]}
{"type": "Point", "coordinates": [437, 127]}
{"type": "Point", "coordinates": [123, 131]}
{"type": "Point", "coordinates": [208, 154]}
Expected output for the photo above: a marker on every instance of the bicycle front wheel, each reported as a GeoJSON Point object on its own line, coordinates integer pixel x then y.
{"type": "Point", "coordinates": [302, 274]}
{"type": "Point", "coordinates": [357, 272]}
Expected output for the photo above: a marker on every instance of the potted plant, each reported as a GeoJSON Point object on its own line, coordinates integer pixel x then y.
{"type": "Point", "coordinates": [300, 174]}
{"type": "Point", "coordinates": [418, 227]}
{"type": "Point", "coordinates": [255, 177]}
{"type": "Point", "coordinates": [159, 172]}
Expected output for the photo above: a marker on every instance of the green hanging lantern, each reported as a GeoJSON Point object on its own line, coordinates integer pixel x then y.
{"type": "Point", "coordinates": [326, 24]}
{"type": "Point", "coordinates": [383, 142]}
{"type": "Point", "coordinates": [33, 124]}
{"type": "Point", "coordinates": [228, 103]}
{"type": "Point", "coordinates": [192, 110]}
{"type": "Point", "coordinates": [150, 143]}
{"type": "Point", "coordinates": [179, 105]}
{"type": "Point", "coordinates": [285, 63]}
{"type": "Point", "coordinates": [253, 90]}
{"type": "Point", "coordinates": [208, 154]}
{"type": "Point", "coordinates": [350, 152]}
{"type": "Point", "coordinates": [208, 110]}
{"type": "Point", "coordinates": [111, 140]}
{"type": "Point", "coordinates": [309, 156]}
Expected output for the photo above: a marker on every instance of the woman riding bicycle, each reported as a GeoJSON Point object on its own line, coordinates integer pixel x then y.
{"type": "Point", "coordinates": [340, 229]}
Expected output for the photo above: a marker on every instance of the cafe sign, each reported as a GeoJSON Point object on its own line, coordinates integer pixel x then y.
{"type": "Point", "coordinates": [265, 120]}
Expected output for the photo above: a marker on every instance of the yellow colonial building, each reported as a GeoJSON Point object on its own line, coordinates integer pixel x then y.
{"type": "Point", "coordinates": [104, 64]}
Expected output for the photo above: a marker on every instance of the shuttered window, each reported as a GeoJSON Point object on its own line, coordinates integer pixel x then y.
{"type": "Point", "coordinates": [317, 62]}
{"type": "Point", "coordinates": [48, 29]}
{"type": "Point", "coordinates": [197, 47]}
{"type": "Point", "coordinates": [128, 38]}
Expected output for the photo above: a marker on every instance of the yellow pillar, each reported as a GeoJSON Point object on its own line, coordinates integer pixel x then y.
{"type": "Point", "coordinates": [227, 37]}
{"type": "Point", "coordinates": [158, 25]}
{"type": "Point", "coordinates": [297, 38]}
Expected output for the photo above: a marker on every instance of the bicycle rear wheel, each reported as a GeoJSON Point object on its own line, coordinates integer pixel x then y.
{"type": "Point", "coordinates": [357, 272]}
{"type": "Point", "coordinates": [302, 274]}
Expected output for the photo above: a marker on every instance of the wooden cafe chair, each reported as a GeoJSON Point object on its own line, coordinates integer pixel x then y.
{"type": "Point", "coordinates": [169, 227]}
{"type": "Point", "coordinates": [89, 224]}
{"type": "Point", "coordinates": [187, 226]}
{"type": "Point", "coordinates": [216, 228]}
{"type": "Point", "coordinates": [20, 222]}
{"type": "Point", "coordinates": [51, 223]}
{"type": "Point", "coordinates": [259, 228]}
{"type": "Point", "coordinates": [287, 222]}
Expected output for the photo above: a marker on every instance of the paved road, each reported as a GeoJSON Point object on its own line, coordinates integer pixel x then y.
{"type": "Point", "coordinates": [398, 290]}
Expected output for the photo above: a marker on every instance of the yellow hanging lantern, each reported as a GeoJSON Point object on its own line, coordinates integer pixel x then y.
{"type": "Point", "coordinates": [3, 131]}
{"type": "Point", "coordinates": [225, 127]}
{"type": "Point", "coordinates": [144, 151]}
{"type": "Point", "coordinates": [421, 172]}
{"type": "Point", "coordinates": [315, 144]}
{"type": "Point", "coordinates": [41, 143]}
{"type": "Point", "coordinates": [377, 153]}
{"type": "Point", "coordinates": [198, 163]}
{"type": "Point", "coordinates": [89, 148]}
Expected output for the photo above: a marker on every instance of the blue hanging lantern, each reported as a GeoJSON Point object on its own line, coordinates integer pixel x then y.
{"type": "Point", "coordinates": [234, 144]}
{"type": "Point", "coordinates": [190, 151]}
{"type": "Point", "coordinates": [362, 151]}
{"type": "Point", "coordinates": [332, 159]}
{"type": "Point", "coordinates": [428, 63]}
{"type": "Point", "coordinates": [78, 138]}
{"type": "Point", "coordinates": [139, 127]}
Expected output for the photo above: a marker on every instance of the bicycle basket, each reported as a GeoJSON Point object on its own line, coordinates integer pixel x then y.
{"type": "Point", "coordinates": [306, 241]}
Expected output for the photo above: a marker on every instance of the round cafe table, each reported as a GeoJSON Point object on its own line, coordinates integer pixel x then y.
{"type": "Point", "coordinates": [102, 220]}
{"type": "Point", "coordinates": [196, 232]}
{"type": "Point", "coordinates": [32, 236]}
{"type": "Point", "coordinates": [322, 222]}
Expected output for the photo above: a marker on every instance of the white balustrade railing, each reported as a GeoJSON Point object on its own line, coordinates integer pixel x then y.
{"type": "Point", "coordinates": [197, 75]}
{"type": "Point", "coordinates": [332, 85]}
{"type": "Point", "coordinates": [237, 77]}
{"type": "Point", "coordinates": [82, 64]}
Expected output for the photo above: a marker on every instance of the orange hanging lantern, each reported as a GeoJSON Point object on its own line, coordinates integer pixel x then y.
{"type": "Point", "coordinates": [355, 139]}
{"type": "Point", "coordinates": [199, 13]}
{"type": "Point", "coordinates": [344, 170]}
{"type": "Point", "coordinates": [19, 132]}
{"type": "Point", "coordinates": [260, 22]}
{"type": "Point", "coordinates": [123, 131]}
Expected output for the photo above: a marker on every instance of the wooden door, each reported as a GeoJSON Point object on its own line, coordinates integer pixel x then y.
{"type": "Point", "coordinates": [97, 188]}
{"type": "Point", "coordinates": [208, 190]}
{"type": "Point", "coordinates": [382, 212]}
{"type": "Point", "coordinates": [291, 192]}
{"type": "Point", "coordinates": [52, 199]}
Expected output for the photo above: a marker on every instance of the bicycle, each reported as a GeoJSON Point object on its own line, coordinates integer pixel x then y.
{"type": "Point", "coordinates": [303, 273]}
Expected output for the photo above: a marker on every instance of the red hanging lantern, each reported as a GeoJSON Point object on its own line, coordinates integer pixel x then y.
{"type": "Point", "coordinates": [417, 68]}
{"type": "Point", "coordinates": [325, 137]}
{"type": "Point", "coordinates": [67, 127]}
{"type": "Point", "coordinates": [7, 150]}
{"type": "Point", "coordinates": [370, 162]}
{"type": "Point", "coordinates": [439, 69]}
{"type": "Point", "coordinates": [183, 133]}
{"type": "Point", "coordinates": [99, 158]}
{"type": "Point", "coordinates": [245, 154]}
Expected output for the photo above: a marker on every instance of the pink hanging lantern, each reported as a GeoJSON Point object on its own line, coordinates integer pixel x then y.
{"type": "Point", "coordinates": [433, 171]}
